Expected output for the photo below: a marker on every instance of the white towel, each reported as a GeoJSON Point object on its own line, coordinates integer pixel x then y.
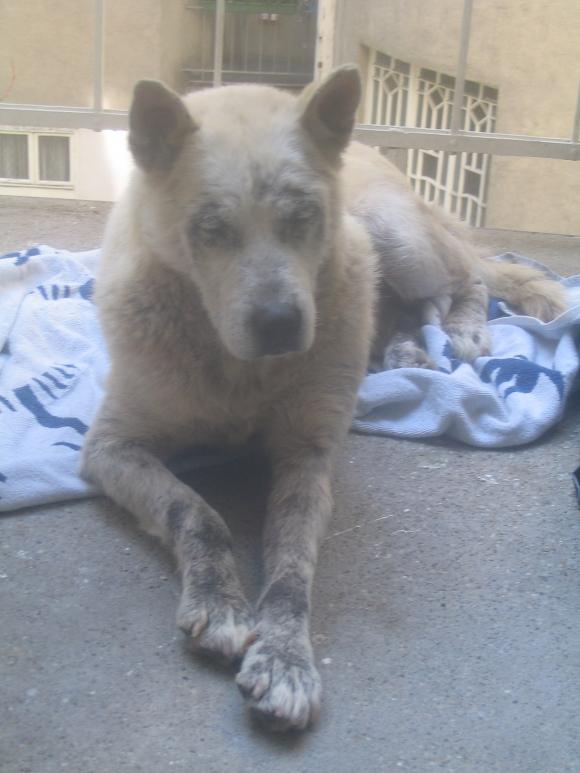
{"type": "Point", "coordinates": [508, 399]}
{"type": "Point", "coordinates": [53, 364]}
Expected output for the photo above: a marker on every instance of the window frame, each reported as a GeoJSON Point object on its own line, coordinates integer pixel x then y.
{"type": "Point", "coordinates": [33, 180]}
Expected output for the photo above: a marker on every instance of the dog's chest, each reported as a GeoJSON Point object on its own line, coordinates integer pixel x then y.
{"type": "Point", "coordinates": [176, 373]}
{"type": "Point", "coordinates": [210, 400]}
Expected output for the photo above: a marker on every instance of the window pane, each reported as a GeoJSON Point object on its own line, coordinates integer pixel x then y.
{"type": "Point", "coordinates": [472, 183]}
{"type": "Point", "coordinates": [53, 159]}
{"type": "Point", "coordinates": [14, 156]}
{"type": "Point", "coordinates": [430, 166]}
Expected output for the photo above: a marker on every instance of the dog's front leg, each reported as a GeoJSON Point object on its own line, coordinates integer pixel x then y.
{"type": "Point", "coordinates": [278, 674]}
{"type": "Point", "coordinates": [212, 610]}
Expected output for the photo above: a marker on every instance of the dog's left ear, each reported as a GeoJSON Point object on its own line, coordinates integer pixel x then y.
{"type": "Point", "coordinates": [159, 123]}
{"type": "Point", "coordinates": [329, 109]}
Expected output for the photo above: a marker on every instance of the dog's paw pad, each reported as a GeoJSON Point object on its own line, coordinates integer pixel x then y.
{"type": "Point", "coordinates": [283, 691]}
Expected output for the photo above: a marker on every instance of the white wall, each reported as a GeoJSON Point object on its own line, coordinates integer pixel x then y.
{"type": "Point", "coordinates": [101, 164]}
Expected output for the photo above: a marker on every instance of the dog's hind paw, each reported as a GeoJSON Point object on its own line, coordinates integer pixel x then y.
{"type": "Point", "coordinates": [282, 686]}
{"type": "Point", "coordinates": [218, 627]}
{"type": "Point", "coordinates": [405, 352]}
{"type": "Point", "coordinates": [469, 340]}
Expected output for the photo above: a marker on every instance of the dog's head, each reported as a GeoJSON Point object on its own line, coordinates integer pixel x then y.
{"type": "Point", "coordinates": [238, 192]}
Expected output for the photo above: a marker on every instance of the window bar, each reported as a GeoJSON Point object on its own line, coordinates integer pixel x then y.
{"type": "Point", "coordinates": [461, 66]}
{"type": "Point", "coordinates": [246, 45]}
{"type": "Point", "coordinates": [98, 62]}
{"type": "Point", "coordinates": [202, 39]}
{"type": "Point", "coordinates": [275, 43]}
{"type": "Point", "coordinates": [576, 127]}
{"type": "Point", "coordinates": [261, 48]}
{"type": "Point", "coordinates": [33, 159]}
{"type": "Point", "coordinates": [288, 52]}
{"type": "Point", "coordinates": [458, 95]}
{"type": "Point", "coordinates": [218, 52]}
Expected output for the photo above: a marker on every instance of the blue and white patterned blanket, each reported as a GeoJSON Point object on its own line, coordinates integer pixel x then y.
{"type": "Point", "coordinates": [53, 365]}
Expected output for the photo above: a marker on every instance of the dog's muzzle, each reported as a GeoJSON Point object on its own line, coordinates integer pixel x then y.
{"type": "Point", "coordinates": [277, 328]}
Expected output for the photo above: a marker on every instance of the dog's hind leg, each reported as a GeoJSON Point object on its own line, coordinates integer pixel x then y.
{"type": "Point", "coordinates": [466, 323]}
{"type": "Point", "coordinates": [425, 256]}
{"type": "Point", "coordinates": [278, 674]}
{"type": "Point", "coordinates": [212, 610]}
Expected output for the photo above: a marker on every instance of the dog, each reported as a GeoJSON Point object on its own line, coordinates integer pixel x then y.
{"type": "Point", "coordinates": [243, 274]}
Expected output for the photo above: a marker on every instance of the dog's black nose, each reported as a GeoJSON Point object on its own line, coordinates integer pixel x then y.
{"type": "Point", "coordinates": [277, 328]}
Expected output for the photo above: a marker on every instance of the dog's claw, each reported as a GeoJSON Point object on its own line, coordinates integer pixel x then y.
{"type": "Point", "coordinates": [197, 627]}
{"type": "Point", "coordinates": [217, 629]}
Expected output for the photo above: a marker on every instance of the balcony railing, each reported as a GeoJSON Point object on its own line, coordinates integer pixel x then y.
{"type": "Point", "coordinates": [452, 140]}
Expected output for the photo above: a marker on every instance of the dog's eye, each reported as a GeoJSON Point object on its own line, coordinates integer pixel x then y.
{"type": "Point", "coordinates": [212, 230]}
{"type": "Point", "coordinates": [300, 221]}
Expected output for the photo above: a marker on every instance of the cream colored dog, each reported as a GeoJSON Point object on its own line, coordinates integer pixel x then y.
{"type": "Point", "coordinates": [237, 294]}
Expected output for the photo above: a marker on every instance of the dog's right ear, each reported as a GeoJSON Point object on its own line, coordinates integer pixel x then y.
{"type": "Point", "coordinates": [158, 126]}
{"type": "Point", "coordinates": [329, 109]}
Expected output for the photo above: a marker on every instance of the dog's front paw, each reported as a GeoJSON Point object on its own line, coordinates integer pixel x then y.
{"type": "Point", "coordinates": [469, 340]}
{"type": "Point", "coordinates": [220, 627]}
{"type": "Point", "coordinates": [281, 684]}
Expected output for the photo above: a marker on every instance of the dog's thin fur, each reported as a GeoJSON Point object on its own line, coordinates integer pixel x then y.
{"type": "Point", "coordinates": [237, 293]}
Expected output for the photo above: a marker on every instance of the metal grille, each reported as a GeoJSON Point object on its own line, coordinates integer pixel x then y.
{"type": "Point", "coordinates": [403, 95]}
{"type": "Point", "coordinates": [260, 47]}
{"type": "Point", "coordinates": [390, 91]}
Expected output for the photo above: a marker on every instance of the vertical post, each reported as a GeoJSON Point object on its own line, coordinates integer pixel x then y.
{"type": "Point", "coordinates": [576, 126]}
{"type": "Point", "coordinates": [218, 47]}
{"type": "Point", "coordinates": [98, 55]}
{"type": "Point", "coordinates": [325, 30]}
{"type": "Point", "coordinates": [461, 66]}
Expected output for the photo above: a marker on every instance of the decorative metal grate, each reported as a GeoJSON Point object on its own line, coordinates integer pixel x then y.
{"type": "Point", "coordinates": [404, 95]}
{"type": "Point", "coordinates": [390, 90]}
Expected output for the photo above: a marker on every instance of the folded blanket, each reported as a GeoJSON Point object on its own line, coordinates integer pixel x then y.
{"type": "Point", "coordinates": [53, 364]}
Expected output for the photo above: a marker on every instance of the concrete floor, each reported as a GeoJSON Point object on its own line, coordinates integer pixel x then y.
{"type": "Point", "coordinates": [446, 611]}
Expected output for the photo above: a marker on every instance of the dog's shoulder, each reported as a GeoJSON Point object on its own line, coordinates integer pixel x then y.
{"type": "Point", "coordinates": [354, 271]}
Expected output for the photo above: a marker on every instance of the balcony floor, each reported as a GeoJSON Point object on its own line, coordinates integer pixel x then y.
{"type": "Point", "coordinates": [447, 634]}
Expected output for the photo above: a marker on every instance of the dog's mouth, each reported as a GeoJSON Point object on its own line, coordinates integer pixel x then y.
{"type": "Point", "coordinates": [267, 354]}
